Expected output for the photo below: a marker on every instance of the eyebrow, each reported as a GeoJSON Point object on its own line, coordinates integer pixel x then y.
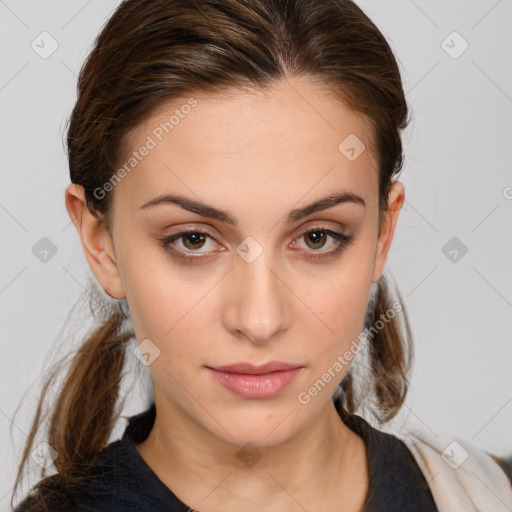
{"type": "Point", "coordinates": [206, 210]}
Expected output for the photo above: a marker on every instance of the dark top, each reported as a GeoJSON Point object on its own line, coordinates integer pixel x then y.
{"type": "Point", "coordinates": [505, 464]}
{"type": "Point", "coordinates": [122, 481]}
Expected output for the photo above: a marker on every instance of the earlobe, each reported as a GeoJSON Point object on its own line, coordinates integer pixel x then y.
{"type": "Point", "coordinates": [395, 201]}
{"type": "Point", "coordinates": [96, 242]}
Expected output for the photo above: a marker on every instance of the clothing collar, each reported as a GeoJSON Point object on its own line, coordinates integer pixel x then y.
{"type": "Point", "coordinates": [395, 479]}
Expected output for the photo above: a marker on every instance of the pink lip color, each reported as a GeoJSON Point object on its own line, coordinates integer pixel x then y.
{"type": "Point", "coordinates": [255, 384]}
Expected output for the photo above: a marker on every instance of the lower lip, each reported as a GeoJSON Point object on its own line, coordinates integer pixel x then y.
{"type": "Point", "coordinates": [255, 386]}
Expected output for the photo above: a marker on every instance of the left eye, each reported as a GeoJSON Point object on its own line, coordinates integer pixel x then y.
{"type": "Point", "coordinates": [315, 238]}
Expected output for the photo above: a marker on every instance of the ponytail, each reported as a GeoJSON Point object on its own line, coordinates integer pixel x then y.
{"type": "Point", "coordinates": [389, 359]}
{"type": "Point", "coordinates": [84, 413]}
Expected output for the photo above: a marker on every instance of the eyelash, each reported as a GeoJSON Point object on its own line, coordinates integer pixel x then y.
{"type": "Point", "coordinates": [343, 241]}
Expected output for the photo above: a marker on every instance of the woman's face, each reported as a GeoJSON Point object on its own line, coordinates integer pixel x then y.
{"type": "Point", "coordinates": [246, 173]}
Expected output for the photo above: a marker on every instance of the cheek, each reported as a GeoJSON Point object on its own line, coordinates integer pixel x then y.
{"type": "Point", "coordinates": [167, 305]}
{"type": "Point", "coordinates": [341, 298]}
{"type": "Point", "coordinates": [343, 312]}
{"type": "Point", "coordinates": [152, 290]}
{"type": "Point", "coordinates": [341, 306]}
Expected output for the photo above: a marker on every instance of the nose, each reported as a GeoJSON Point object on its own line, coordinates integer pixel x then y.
{"type": "Point", "coordinates": [259, 301]}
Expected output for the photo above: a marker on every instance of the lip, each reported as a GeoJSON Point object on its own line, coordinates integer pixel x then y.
{"type": "Point", "coordinates": [261, 369]}
{"type": "Point", "coordinates": [250, 381]}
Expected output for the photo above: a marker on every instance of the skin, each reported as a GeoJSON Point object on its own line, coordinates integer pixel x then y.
{"type": "Point", "coordinates": [257, 155]}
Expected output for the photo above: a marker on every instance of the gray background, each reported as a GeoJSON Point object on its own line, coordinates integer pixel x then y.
{"type": "Point", "coordinates": [458, 184]}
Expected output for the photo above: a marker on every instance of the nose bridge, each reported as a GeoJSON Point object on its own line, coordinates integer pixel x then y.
{"type": "Point", "coordinates": [259, 307]}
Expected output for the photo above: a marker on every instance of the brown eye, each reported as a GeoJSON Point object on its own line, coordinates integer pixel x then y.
{"type": "Point", "coordinates": [314, 240]}
{"type": "Point", "coordinates": [193, 240]}
{"type": "Point", "coordinates": [185, 244]}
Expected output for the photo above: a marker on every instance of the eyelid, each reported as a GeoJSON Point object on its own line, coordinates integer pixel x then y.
{"type": "Point", "coordinates": [319, 224]}
{"type": "Point", "coordinates": [194, 229]}
{"type": "Point", "coordinates": [212, 233]}
{"type": "Point", "coordinates": [192, 257]}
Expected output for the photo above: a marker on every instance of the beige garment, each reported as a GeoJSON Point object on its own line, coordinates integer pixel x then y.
{"type": "Point", "coordinates": [461, 476]}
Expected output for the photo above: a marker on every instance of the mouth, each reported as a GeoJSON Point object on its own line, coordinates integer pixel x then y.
{"type": "Point", "coordinates": [255, 382]}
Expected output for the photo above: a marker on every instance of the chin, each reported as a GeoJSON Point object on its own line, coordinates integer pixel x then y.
{"type": "Point", "coordinates": [261, 427]}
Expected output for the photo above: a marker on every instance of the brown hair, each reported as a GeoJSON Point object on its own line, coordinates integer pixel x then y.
{"type": "Point", "coordinates": [147, 54]}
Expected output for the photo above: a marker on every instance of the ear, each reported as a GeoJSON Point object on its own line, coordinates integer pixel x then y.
{"type": "Point", "coordinates": [96, 242]}
{"type": "Point", "coordinates": [395, 201]}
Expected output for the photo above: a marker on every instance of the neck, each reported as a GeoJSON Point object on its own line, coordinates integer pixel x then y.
{"type": "Point", "coordinates": [206, 470]}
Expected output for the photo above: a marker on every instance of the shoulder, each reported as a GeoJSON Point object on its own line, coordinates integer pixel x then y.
{"type": "Point", "coordinates": [396, 481]}
{"type": "Point", "coordinates": [116, 480]}
{"type": "Point", "coordinates": [54, 497]}
{"type": "Point", "coordinates": [461, 475]}
{"type": "Point", "coordinates": [93, 492]}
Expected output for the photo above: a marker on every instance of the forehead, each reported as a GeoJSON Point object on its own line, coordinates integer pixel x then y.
{"type": "Point", "coordinates": [292, 137]}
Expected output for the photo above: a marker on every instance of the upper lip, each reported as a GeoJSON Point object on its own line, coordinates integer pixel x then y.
{"type": "Point", "coordinates": [269, 367]}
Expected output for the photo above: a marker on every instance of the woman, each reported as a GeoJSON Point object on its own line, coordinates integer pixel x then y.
{"type": "Point", "coordinates": [233, 167]}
